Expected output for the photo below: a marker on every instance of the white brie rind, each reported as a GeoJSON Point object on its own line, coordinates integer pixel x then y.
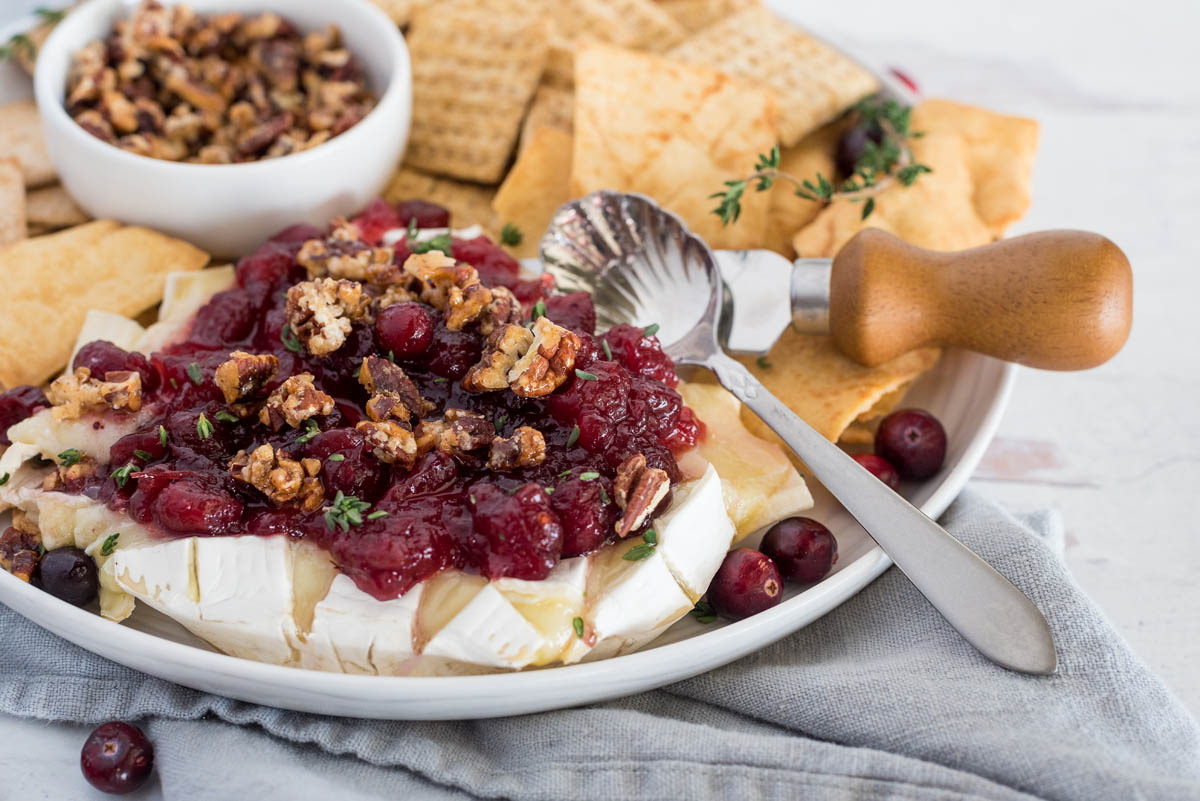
{"type": "Point", "coordinates": [355, 633]}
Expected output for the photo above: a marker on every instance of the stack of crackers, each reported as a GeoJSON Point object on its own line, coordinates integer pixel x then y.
{"type": "Point", "coordinates": [522, 105]}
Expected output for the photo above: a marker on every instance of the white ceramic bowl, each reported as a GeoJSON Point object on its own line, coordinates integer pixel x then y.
{"type": "Point", "coordinates": [228, 209]}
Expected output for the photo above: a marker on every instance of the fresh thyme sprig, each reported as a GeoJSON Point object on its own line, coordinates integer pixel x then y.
{"type": "Point", "coordinates": [880, 164]}
{"type": "Point", "coordinates": [346, 511]}
{"type": "Point", "coordinates": [21, 45]}
{"type": "Point", "coordinates": [511, 235]}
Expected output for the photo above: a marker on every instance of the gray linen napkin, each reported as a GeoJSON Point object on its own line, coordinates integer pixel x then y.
{"type": "Point", "coordinates": [879, 699]}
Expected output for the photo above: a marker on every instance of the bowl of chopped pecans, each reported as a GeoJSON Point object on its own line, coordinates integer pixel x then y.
{"type": "Point", "coordinates": [222, 121]}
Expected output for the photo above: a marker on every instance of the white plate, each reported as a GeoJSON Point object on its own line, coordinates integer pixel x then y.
{"type": "Point", "coordinates": [966, 391]}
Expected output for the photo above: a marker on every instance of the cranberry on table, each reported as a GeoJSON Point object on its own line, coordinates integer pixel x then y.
{"type": "Point", "coordinates": [913, 441]}
{"type": "Point", "coordinates": [404, 329]}
{"type": "Point", "coordinates": [880, 468]}
{"type": "Point", "coordinates": [70, 575]}
{"type": "Point", "coordinates": [746, 583]}
{"type": "Point", "coordinates": [116, 758]}
{"type": "Point", "coordinates": [803, 549]}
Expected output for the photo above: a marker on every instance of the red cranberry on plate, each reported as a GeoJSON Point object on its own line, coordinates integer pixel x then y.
{"type": "Point", "coordinates": [746, 583]}
{"type": "Point", "coordinates": [913, 441]}
{"type": "Point", "coordinates": [70, 575]}
{"type": "Point", "coordinates": [116, 758]}
{"type": "Point", "coordinates": [804, 550]}
{"type": "Point", "coordinates": [880, 468]}
{"type": "Point", "coordinates": [404, 329]}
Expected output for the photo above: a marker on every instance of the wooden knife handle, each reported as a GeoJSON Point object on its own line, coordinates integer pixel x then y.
{"type": "Point", "coordinates": [1058, 300]}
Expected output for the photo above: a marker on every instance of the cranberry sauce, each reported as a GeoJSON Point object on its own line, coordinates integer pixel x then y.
{"type": "Point", "coordinates": [392, 527]}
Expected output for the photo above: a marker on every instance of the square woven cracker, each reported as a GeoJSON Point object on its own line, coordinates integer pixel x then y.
{"type": "Point", "coordinates": [825, 388]}
{"type": "Point", "coordinates": [52, 281]}
{"type": "Point", "coordinates": [1000, 154]}
{"type": "Point", "coordinates": [551, 108]}
{"type": "Point", "coordinates": [936, 212]}
{"type": "Point", "coordinates": [51, 208]}
{"type": "Point", "coordinates": [673, 131]}
{"type": "Point", "coordinates": [469, 204]}
{"type": "Point", "coordinates": [12, 202]}
{"type": "Point", "coordinates": [21, 139]}
{"type": "Point", "coordinates": [536, 186]}
{"type": "Point", "coordinates": [636, 24]}
{"type": "Point", "coordinates": [696, 15]}
{"type": "Point", "coordinates": [812, 82]}
{"type": "Point", "coordinates": [473, 76]}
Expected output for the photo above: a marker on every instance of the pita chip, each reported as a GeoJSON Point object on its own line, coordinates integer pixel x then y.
{"type": "Point", "coordinates": [21, 139]}
{"type": "Point", "coordinates": [12, 202]}
{"type": "Point", "coordinates": [51, 208]}
{"type": "Point", "coordinates": [535, 187]}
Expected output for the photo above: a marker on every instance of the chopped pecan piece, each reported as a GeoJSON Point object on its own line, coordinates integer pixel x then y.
{"type": "Point", "coordinates": [525, 448]}
{"type": "Point", "coordinates": [460, 433]}
{"type": "Point", "coordinates": [504, 347]}
{"type": "Point", "coordinates": [638, 490]}
{"type": "Point", "coordinates": [320, 312]}
{"type": "Point", "coordinates": [503, 309]}
{"type": "Point", "coordinates": [343, 254]}
{"type": "Point", "coordinates": [451, 287]}
{"type": "Point", "coordinates": [547, 363]}
{"type": "Point", "coordinates": [19, 552]}
{"type": "Point", "coordinates": [390, 441]}
{"type": "Point", "coordinates": [393, 394]}
{"type": "Point", "coordinates": [244, 374]}
{"type": "Point", "coordinates": [282, 479]}
{"type": "Point", "coordinates": [293, 402]}
{"type": "Point", "coordinates": [74, 393]}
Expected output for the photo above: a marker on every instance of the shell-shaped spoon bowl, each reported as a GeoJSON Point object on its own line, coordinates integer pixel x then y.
{"type": "Point", "coordinates": [643, 266]}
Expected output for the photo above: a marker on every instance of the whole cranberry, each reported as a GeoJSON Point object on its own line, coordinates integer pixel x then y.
{"type": "Point", "coordinates": [585, 510]}
{"type": "Point", "coordinates": [516, 535]}
{"type": "Point", "coordinates": [116, 758]}
{"type": "Point", "coordinates": [853, 144]}
{"type": "Point", "coordinates": [804, 550]}
{"type": "Point", "coordinates": [424, 213]}
{"type": "Point", "coordinates": [405, 329]}
{"type": "Point", "coordinates": [494, 265]}
{"type": "Point", "coordinates": [70, 575]}
{"type": "Point", "coordinates": [275, 259]}
{"type": "Point", "coordinates": [17, 404]}
{"type": "Point", "coordinates": [189, 507]}
{"type": "Point", "coordinates": [880, 468]}
{"type": "Point", "coordinates": [746, 583]}
{"type": "Point", "coordinates": [355, 470]}
{"type": "Point", "coordinates": [102, 357]}
{"type": "Point", "coordinates": [453, 352]}
{"type": "Point", "coordinates": [913, 441]}
{"type": "Point", "coordinates": [300, 232]}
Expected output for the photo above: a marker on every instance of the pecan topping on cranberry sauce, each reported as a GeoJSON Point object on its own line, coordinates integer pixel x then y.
{"type": "Point", "coordinates": [474, 436]}
{"type": "Point", "coordinates": [171, 84]}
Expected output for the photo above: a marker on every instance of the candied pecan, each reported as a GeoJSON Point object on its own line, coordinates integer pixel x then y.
{"type": "Point", "coordinates": [395, 293]}
{"type": "Point", "coordinates": [450, 287]}
{"type": "Point", "coordinates": [525, 448]}
{"type": "Point", "coordinates": [72, 394]}
{"type": "Point", "coordinates": [504, 347]}
{"type": "Point", "coordinates": [393, 394]}
{"type": "Point", "coordinates": [390, 441]}
{"type": "Point", "coordinates": [547, 363]}
{"type": "Point", "coordinates": [19, 552]}
{"type": "Point", "coordinates": [293, 402]}
{"type": "Point", "coordinates": [459, 433]}
{"type": "Point", "coordinates": [638, 490]}
{"type": "Point", "coordinates": [282, 479]}
{"type": "Point", "coordinates": [343, 254]}
{"type": "Point", "coordinates": [503, 310]}
{"type": "Point", "coordinates": [320, 312]}
{"type": "Point", "coordinates": [244, 374]}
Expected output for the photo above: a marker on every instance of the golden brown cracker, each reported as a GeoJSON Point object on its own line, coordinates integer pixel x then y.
{"type": "Point", "coordinates": [551, 108]}
{"type": "Point", "coordinates": [560, 64]}
{"type": "Point", "coordinates": [51, 208]}
{"type": "Point", "coordinates": [400, 11]}
{"type": "Point", "coordinates": [21, 139]}
{"type": "Point", "coordinates": [812, 82]}
{"type": "Point", "coordinates": [673, 131]}
{"type": "Point", "coordinates": [12, 202]}
{"type": "Point", "coordinates": [936, 212]}
{"type": "Point", "coordinates": [473, 76]}
{"type": "Point", "coordinates": [52, 281]}
{"type": "Point", "coordinates": [789, 212]}
{"type": "Point", "coordinates": [862, 430]}
{"type": "Point", "coordinates": [635, 24]}
{"type": "Point", "coordinates": [825, 388]}
{"type": "Point", "coordinates": [469, 204]}
{"type": "Point", "coordinates": [1000, 155]}
{"type": "Point", "coordinates": [535, 188]}
{"type": "Point", "coordinates": [696, 15]}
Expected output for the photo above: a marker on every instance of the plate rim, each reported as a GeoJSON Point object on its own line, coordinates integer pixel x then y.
{"type": "Point", "coordinates": [520, 692]}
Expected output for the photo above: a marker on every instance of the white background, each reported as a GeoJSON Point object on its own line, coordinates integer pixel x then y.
{"type": "Point", "coordinates": [1116, 88]}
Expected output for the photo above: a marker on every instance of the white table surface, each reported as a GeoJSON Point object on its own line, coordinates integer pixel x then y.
{"type": "Point", "coordinates": [1116, 449]}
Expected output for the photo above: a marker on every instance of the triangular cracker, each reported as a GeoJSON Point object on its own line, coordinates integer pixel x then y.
{"type": "Point", "coordinates": [535, 188]}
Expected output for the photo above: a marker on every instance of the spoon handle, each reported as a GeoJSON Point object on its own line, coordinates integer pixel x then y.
{"type": "Point", "coordinates": [982, 605]}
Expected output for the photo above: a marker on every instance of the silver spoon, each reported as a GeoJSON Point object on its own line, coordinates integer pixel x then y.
{"type": "Point", "coordinates": [642, 265]}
